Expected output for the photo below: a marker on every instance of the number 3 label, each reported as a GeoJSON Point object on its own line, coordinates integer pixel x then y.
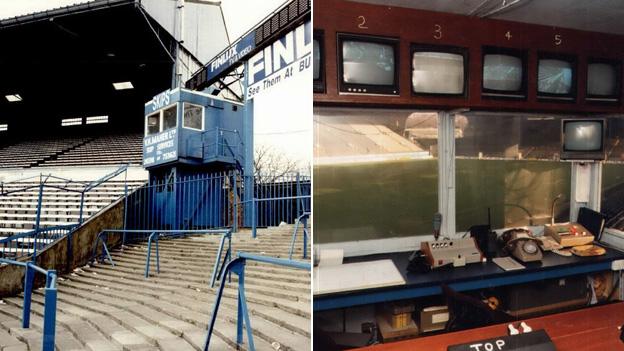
{"type": "Point", "coordinates": [437, 31]}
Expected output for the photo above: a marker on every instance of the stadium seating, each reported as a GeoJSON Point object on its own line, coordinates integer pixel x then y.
{"type": "Point", "coordinates": [30, 153]}
{"type": "Point", "coordinates": [74, 151]}
{"type": "Point", "coordinates": [103, 150]}
{"type": "Point", "coordinates": [18, 210]}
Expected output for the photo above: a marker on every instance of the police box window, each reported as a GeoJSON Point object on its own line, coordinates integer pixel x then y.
{"type": "Point", "coordinates": [170, 117]}
{"type": "Point", "coordinates": [193, 116]}
{"type": "Point", "coordinates": [153, 123]}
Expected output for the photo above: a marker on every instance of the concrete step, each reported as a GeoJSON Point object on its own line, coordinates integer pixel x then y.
{"type": "Point", "coordinates": [300, 308]}
{"type": "Point", "coordinates": [105, 307]}
{"type": "Point", "coordinates": [294, 323]}
{"type": "Point", "coordinates": [86, 334]}
{"type": "Point", "coordinates": [168, 269]}
{"type": "Point", "coordinates": [262, 289]}
{"type": "Point", "coordinates": [64, 338]}
{"type": "Point", "coordinates": [10, 342]}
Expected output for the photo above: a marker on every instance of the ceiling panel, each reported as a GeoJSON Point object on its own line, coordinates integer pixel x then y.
{"type": "Point", "coordinates": [597, 15]}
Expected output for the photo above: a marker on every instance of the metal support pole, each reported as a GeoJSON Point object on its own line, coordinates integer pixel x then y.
{"type": "Point", "coordinates": [217, 260]}
{"type": "Point", "coordinates": [49, 314]}
{"type": "Point", "coordinates": [81, 207]}
{"type": "Point", "coordinates": [294, 238]}
{"type": "Point", "coordinates": [253, 218]}
{"type": "Point", "coordinates": [248, 145]}
{"type": "Point", "coordinates": [105, 251]}
{"type": "Point", "coordinates": [243, 312]}
{"type": "Point", "coordinates": [297, 193]}
{"type": "Point", "coordinates": [305, 237]}
{"type": "Point", "coordinates": [38, 220]}
{"type": "Point", "coordinates": [123, 238]}
{"type": "Point", "coordinates": [154, 237]}
{"type": "Point", "coordinates": [240, 312]}
{"type": "Point", "coordinates": [446, 170]}
{"type": "Point", "coordinates": [29, 276]}
{"type": "Point", "coordinates": [235, 190]}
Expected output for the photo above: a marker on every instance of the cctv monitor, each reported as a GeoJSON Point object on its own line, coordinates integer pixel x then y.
{"type": "Point", "coordinates": [504, 73]}
{"type": "Point", "coordinates": [368, 64]}
{"type": "Point", "coordinates": [439, 70]}
{"type": "Point", "coordinates": [583, 139]}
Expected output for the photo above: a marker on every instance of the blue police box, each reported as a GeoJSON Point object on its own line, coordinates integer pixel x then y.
{"type": "Point", "coordinates": [190, 128]}
{"type": "Point", "coordinates": [192, 136]}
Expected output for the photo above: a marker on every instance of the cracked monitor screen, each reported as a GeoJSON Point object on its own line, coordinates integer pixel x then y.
{"type": "Point", "coordinates": [554, 77]}
{"type": "Point", "coordinates": [367, 63]}
{"type": "Point", "coordinates": [502, 73]}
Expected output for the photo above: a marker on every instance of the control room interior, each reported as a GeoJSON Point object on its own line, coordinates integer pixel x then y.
{"type": "Point", "coordinates": [468, 174]}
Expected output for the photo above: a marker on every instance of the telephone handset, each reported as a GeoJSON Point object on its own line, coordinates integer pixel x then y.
{"type": "Point", "coordinates": [521, 244]}
{"type": "Point", "coordinates": [418, 262]}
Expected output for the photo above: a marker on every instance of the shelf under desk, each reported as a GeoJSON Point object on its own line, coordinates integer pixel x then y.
{"type": "Point", "coordinates": [470, 277]}
{"type": "Point", "coordinates": [589, 329]}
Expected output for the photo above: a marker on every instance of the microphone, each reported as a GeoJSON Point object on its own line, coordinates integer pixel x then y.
{"type": "Point", "coordinates": [552, 208]}
{"type": "Point", "coordinates": [437, 223]}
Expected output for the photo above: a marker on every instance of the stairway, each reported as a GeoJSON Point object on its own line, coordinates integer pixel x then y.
{"type": "Point", "coordinates": [102, 307]}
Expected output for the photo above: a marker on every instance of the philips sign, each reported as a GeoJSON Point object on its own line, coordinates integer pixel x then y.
{"type": "Point", "coordinates": [286, 57]}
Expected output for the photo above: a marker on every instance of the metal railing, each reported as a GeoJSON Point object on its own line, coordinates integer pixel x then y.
{"type": "Point", "coordinates": [254, 211]}
{"type": "Point", "coordinates": [280, 198]}
{"type": "Point", "coordinates": [220, 142]}
{"type": "Point", "coordinates": [237, 266]}
{"type": "Point", "coordinates": [49, 312]}
{"type": "Point", "coordinates": [152, 237]}
{"type": "Point", "coordinates": [217, 200]}
{"type": "Point", "coordinates": [184, 203]}
{"type": "Point", "coordinates": [30, 242]}
{"type": "Point", "coordinates": [301, 219]}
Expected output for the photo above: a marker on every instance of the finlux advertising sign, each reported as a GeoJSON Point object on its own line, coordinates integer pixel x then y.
{"type": "Point", "coordinates": [286, 57]}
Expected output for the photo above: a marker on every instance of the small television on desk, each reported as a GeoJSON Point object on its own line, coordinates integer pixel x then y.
{"type": "Point", "coordinates": [368, 64]}
{"type": "Point", "coordinates": [583, 139]}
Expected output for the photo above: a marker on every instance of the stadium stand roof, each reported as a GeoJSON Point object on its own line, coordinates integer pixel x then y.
{"type": "Point", "coordinates": [62, 63]}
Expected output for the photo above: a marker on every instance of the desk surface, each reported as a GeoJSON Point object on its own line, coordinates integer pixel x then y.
{"type": "Point", "coordinates": [470, 277]}
{"type": "Point", "coordinates": [590, 329]}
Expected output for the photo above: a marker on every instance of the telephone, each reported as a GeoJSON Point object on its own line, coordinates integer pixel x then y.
{"type": "Point", "coordinates": [418, 262]}
{"type": "Point", "coordinates": [521, 244]}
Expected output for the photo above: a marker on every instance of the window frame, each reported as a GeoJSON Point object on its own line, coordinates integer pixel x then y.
{"type": "Point", "coordinates": [161, 120]}
{"type": "Point", "coordinates": [203, 116]}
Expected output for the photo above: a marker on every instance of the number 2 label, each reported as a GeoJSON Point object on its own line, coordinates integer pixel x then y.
{"type": "Point", "coordinates": [362, 22]}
